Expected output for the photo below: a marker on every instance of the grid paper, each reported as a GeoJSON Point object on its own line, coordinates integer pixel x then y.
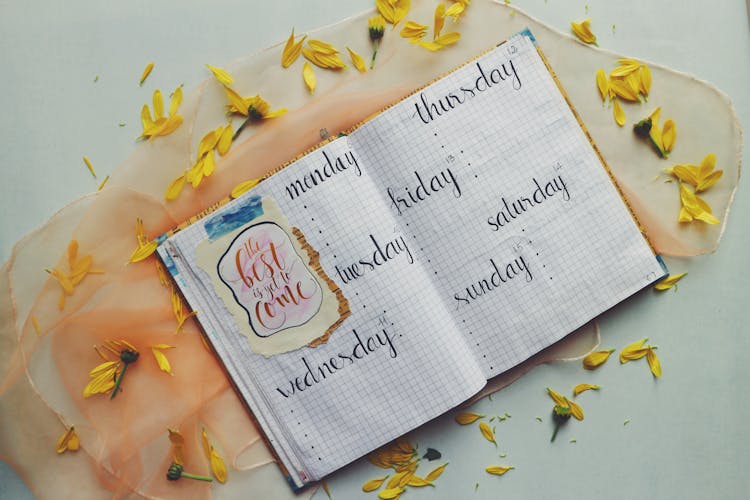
{"type": "Point", "coordinates": [585, 256]}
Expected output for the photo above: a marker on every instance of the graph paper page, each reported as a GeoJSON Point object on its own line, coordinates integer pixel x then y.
{"type": "Point", "coordinates": [510, 209]}
{"type": "Point", "coordinates": [394, 363]}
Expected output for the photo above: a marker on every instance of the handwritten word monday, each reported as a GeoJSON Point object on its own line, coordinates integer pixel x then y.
{"type": "Point", "coordinates": [330, 166]}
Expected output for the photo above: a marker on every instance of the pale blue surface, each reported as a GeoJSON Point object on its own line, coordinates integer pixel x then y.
{"type": "Point", "coordinates": [687, 434]}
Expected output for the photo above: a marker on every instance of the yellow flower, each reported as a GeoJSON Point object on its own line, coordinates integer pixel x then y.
{"type": "Point", "coordinates": [634, 351]}
{"type": "Point", "coordinates": [323, 54]}
{"type": "Point", "coordinates": [376, 29]}
{"type": "Point", "coordinates": [669, 282]}
{"type": "Point", "coordinates": [694, 207]}
{"type": "Point", "coordinates": [221, 75]}
{"type": "Point", "coordinates": [596, 359]}
{"type": "Point", "coordinates": [701, 176]}
{"type": "Point", "coordinates": [583, 31]}
{"type": "Point", "coordinates": [161, 125]}
{"type": "Point", "coordinates": [393, 11]}
{"type": "Point", "coordinates": [78, 269]}
{"type": "Point", "coordinates": [487, 432]}
{"type": "Point", "coordinates": [68, 441]}
{"type": "Point", "coordinates": [467, 418]}
{"type": "Point", "coordinates": [584, 387]}
{"type": "Point", "coordinates": [357, 61]}
{"type": "Point", "coordinates": [161, 358]}
{"type": "Point", "coordinates": [255, 107]}
{"type": "Point", "coordinates": [291, 50]}
{"type": "Point", "coordinates": [498, 470]}
{"type": "Point", "coordinates": [308, 75]}
{"type": "Point", "coordinates": [107, 377]}
{"type": "Point", "coordinates": [89, 166]}
{"type": "Point", "coordinates": [653, 362]}
{"type": "Point", "coordinates": [218, 468]}
{"type": "Point", "coordinates": [649, 128]}
{"type": "Point", "coordinates": [413, 31]}
{"type": "Point", "coordinates": [146, 72]}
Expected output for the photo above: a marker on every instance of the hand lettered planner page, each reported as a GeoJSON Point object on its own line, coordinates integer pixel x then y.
{"type": "Point", "coordinates": [396, 359]}
{"type": "Point", "coordinates": [507, 204]}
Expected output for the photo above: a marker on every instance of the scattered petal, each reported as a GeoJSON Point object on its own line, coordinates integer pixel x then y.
{"type": "Point", "coordinates": [498, 470]}
{"type": "Point", "coordinates": [596, 359]}
{"type": "Point", "coordinates": [467, 418]}
{"type": "Point", "coordinates": [68, 441]}
{"type": "Point", "coordinates": [146, 71]}
{"type": "Point", "coordinates": [669, 282]}
{"type": "Point", "coordinates": [413, 31]}
{"type": "Point", "coordinates": [89, 166]}
{"type": "Point", "coordinates": [244, 187]}
{"type": "Point", "coordinates": [309, 76]}
{"type": "Point", "coordinates": [373, 484]}
{"type": "Point", "coordinates": [668, 135]}
{"type": "Point", "coordinates": [487, 432]}
{"type": "Point", "coordinates": [575, 409]}
{"type": "Point", "coordinates": [584, 387]}
{"type": "Point", "coordinates": [623, 90]}
{"type": "Point", "coordinates": [390, 493]}
{"type": "Point", "coordinates": [558, 398]}
{"type": "Point", "coordinates": [221, 75]}
{"type": "Point", "coordinates": [435, 473]}
{"type": "Point", "coordinates": [291, 50]}
{"type": "Point", "coordinates": [633, 351]}
{"type": "Point", "coordinates": [161, 358]}
{"type": "Point", "coordinates": [619, 113]}
{"type": "Point", "coordinates": [439, 19]}
{"type": "Point", "coordinates": [175, 188]}
{"type": "Point", "coordinates": [583, 31]}
{"type": "Point", "coordinates": [602, 84]}
{"type": "Point", "coordinates": [653, 362]}
{"type": "Point", "coordinates": [357, 60]}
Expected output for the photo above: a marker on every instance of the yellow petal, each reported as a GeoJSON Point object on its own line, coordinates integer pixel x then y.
{"type": "Point", "coordinates": [602, 84]}
{"type": "Point", "coordinates": [291, 50]}
{"type": "Point", "coordinates": [435, 473]}
{"type": "Point", "coordinates": [439, 19]}
{"type": "Point", "coordinates": [308, 75]}
{"type": "Point", "coordinates": [413, 31]}
{"type": "Point", "coordinates": [390, 493]}
{"type": "Point", "coordinates": [162, 361]}
{"type": "Point", "coordinates": [583, 31]}
{"type": "Point", "coordinates": [158, 103]}
{"type": "Point", "coordinates": [72, 253]}
{"type": "Point", "coordinates": [448, 38]}
{"type": "Point", "coordinates": [596, 359]}
{"type": "Point", "coordinates": [178, 442]}
{"type": "Point", "coordinates": [244, 187]}
{"type": "Point", "coordinates": [146, 121]}
{"type": "Point", "coordinates": [668, 135]}
{"type": "Point", "coordinates": [208, 142]}
{"type": "Point", "coordinates": [623, 90]}
{"type": "Point", "coordinates": [633, 351]}
{"type": "Point", "coordinates": [645, 79]}
{"type": "Point", "coordinates": [575, 410]}
{"type": "Point", "coordinates": [486, 431]}
{"type": "Point", "coordinates": [322, 47]}
{"type": "Point", "coordinates": [236, 101]}
{"type": "Point", "coordinates": [101, 384]}
{"type": "Point", "coordinates": [357, 61]}
{"type": "Point", "coordinates": [174, 103]}
{"type": "Point", "coordinates": [395, 481]}
{"type": "Point", "coordinates": [558, 398]}
{"type": "Point", "coordinates": [455, 11]}
{"type": "Point", "coordinates": [68, 441]}
{"type": "Point", "coordinates": [708, 164]}
{"type": "Point", "coordinates": [653, 363]}
{"type": "Point", "coordinates": [400, 11]}
{"type": "Point", "coordinates": [225, 140]}
{"type": "Point", "coordinates": [373, 484]}
{"type": "Point", "coordinates": [218, 468]}
{"type": "Point", "coordinates": [430, 46]}
{"type": "Point", "coordinates": [619, 113]}
{"type": "Point", "coordinates": [709, 180]}
{"type": "Point", "coordinates": [146, 72]}
{"type": "Point", "coordinates": [64, 281]}
{"type": "Point", "coordinates": [686, 173]}
{"type": "Point", "coordinates": [467, 418]}
{"type": "Point", "coordinates": [417, 482]}
{"type": "Point", "coordinates": [89, 166]}
{"type": "Point", "coordinates": [498, 470]}
{"type": "Point", "coordinates": [626, 67]}
{"type": "Point", "coordinates": [669, 282]}
{"type": "Point", "coordinates": [584, 387]}
{"type": "Point", "coordinates": [142, 252]}
{"type": "Point", "coordinates": [221, 75]}
{"type": "Point", "coordinates": [175, 188]}
{"type": "Point", "coordinates": [168, 126]}
{"type": "Point", "coordinates": [209, 164]}
{"type": "Point", "coordinates": [35, 323]}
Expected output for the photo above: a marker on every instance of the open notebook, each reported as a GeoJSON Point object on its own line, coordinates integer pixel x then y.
{"type": "Point", "coordinates": [442, 242]}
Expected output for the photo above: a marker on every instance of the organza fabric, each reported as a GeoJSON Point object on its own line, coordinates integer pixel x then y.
{"type": "Point", "coordinates": [125, 450]}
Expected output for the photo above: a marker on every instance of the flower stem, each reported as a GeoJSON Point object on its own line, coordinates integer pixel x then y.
{"type": "Point", "coordinates": [242, 127]}
{"type": "Point", "coordinates": [554, 434]}
{"type": "Point", "coordinates": [195, 476]}
{"type": "Point", "coordinates": [375, 45]}
{"type": "Point", "coordinates": [118, 381]}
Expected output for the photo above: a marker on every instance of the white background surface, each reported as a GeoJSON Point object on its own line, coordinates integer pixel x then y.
{"type": "Point", "coordinates": [688, 432]}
